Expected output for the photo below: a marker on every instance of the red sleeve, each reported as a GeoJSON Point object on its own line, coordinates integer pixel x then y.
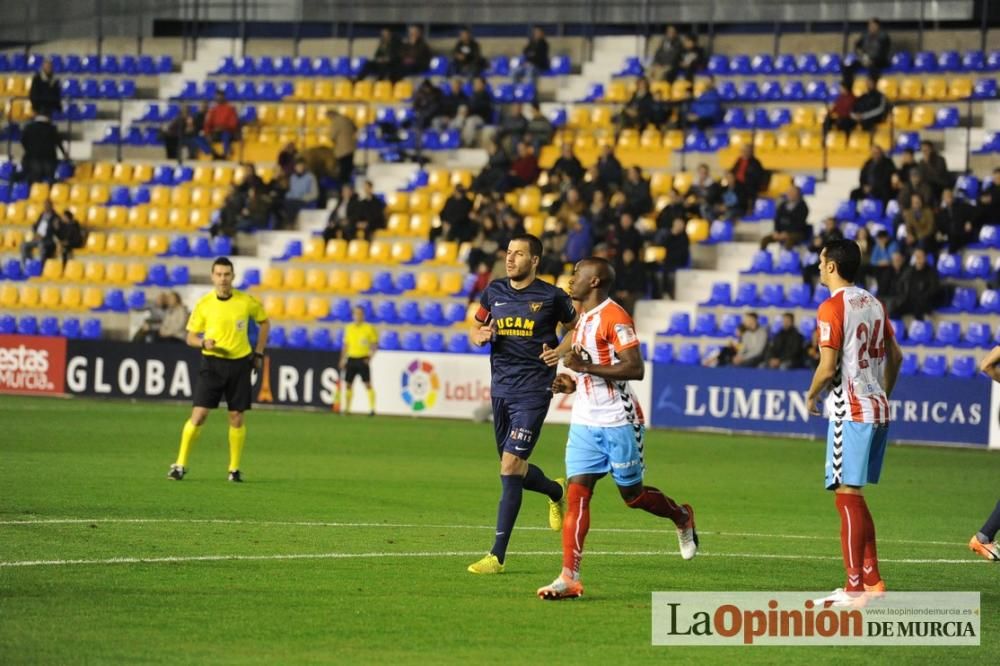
{"type": "Point", "coordinates": [619, 330]}
{"type": "Point", "coordinates": [888, 332]}
{"type": "Point", "coordinates": [830, 323]}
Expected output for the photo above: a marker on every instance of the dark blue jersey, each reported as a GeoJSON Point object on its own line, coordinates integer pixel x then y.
{"type": "Point", "coordinates": [524, 319]}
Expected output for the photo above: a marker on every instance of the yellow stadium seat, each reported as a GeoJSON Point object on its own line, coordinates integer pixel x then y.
{"type": "Point", "coordinates": [901, 117]}
{"type": "Point", "coordinates": [336, 249]}
{"type": "Point", "coordinates": [274, 306]}
{"type": "Point", "coordinates": [601, 116]}
{"type": "Point", "coordinates": [93, 298]}
{"type": "Point", "coordinates": [398, 224]}
{"type": "Point", "coordinates": [200, 197]}
{"type": "Point", "coordinates": [115, 244]}
{"type": "Point", "coordinates": [764, 141]}
{"type": "Point", "coordinates": [16, 213]}
{"type": "Point", "coordinates": [272, 279]}
{"type": "Point", "coordinates": [219, 195]}
{"type": "Point", "coordinates": [199, 217]}
{"type": "Point", "coordinates": [97, 216]}
{"type": "Point", "coordinates": [158, 244]}
{"type": "Point", "coordinates": [910, 89]}
{"type": "Point", "coordinates": [563, 281]}
{"type": "Point", "coordinates": [39, 192]}
{"type": "Point", "coordinates": [49, 297]}
{"type": "Point", "coordinates": [779, 184]}
{"type": "Point", "coordinates": [959, 87]}
{"type": "Point", "coordinates": [673, 140]}
{"type": "Point", "coordinates": [303, 89]}
{"type": "Point", "coordinates": [317, 308]}
{"type": "Point", "coordinates": [438, 179]}
{"type": "Point", "coordinates": [180, 197]}
{"type": "Point", "coordinates": [53, 269]}
{"type": "Point", "coordinates": [380, 252]}
{"type": "Point", "coordinates": [427, 283]}
{"type": "Point", "coordinates": [32, 212]}
{"type": "Point", "coordinates": [921, 117]}
{"type": "Point", "coordinates": [202, 175]}
{"type": "Point", "coordinates": [136, 245]}
{"type": "Point", "coordinates": [804, 116]}
{"type": "Point", "coordinates": [579, 117]}
{"type": "Point", "coordinates": [114, 273]}
{"type": "Point", "coordinates": [382, 92]}
{"type": "Point", "coordinates": [101, 173]}
{"type": "Point", "coordinates": [651, 138]}
{"type": "Point", "coordinates": [72, 297]}
{"type": "Point", "coordinates": [401, 253]}
{"type": "Point", "coordinates": [138, 217]}
{"type": "Point", "coordinates": [787, 141]}
{"type": "Point", "coordinates": [890, 88]}
{"type": "Point", "coordinates": [313, 250]}
{"type": "Point", "coordinates": [451, 283]}
{"type": "Point", "coordinates": [121, 174]}
{"type": "Point", "coordinates": [159, 196]}
{"type": "Point", "coordinates": [396, 202]}
{"type": "Point", "coordinates": [142, 173]}
{"type": "Point", "coordinates": [79, 194]}
{"type": "Point", "coordinates": [29, 296]}
{"type": "Point", "coordinates": [96, 241]}
{"type": "Point", "coordinates": [534, 225]}
{"type": "Point", "coordinates": [99, 194]}
{"type": "Point", "coordinates": [680, 90]}
{"type": "Point", "coordinates": [158, 218]}
{"type": "Point", "coordinates": [420, 225]}
{"type": "Point", "coordinates": [323, 90]}
{"type": "Point", "coordinates": [682, 181]}
{"type": "Point", "coordinates": [94, 272]}
{"type": "Point", "coordinates": [935, 89]}
{"type": "Point", "coordinates": [12, 238]}
{"type": "Point", "coordinates": [135, 273]}
{"type": "Point", "coordinates": [357, 250]}
{"type": "Point", "coordinates": [342, 90]}
{"type": "Point", "coordinates": [339, 280]}
{"type": "Point", "coordinates": [223, 176]}
{"type": "Point", "coordinates": [697, 230]}
{"type": "Point", "coordinates": [316, 279]}
{"type": "Point", "coordinates": [616, 92]}
{"type": "Point", "coordinates": [445, 252]}
{"type": "Point", "coordinates": [295, 278]}
{"type": "Point", "coordinates": [402, 91]}
{"type": "Point", "coordinates": [529, 200]}
{"type": "Point", "coordinates": [859, 141]}
{"type": "Point", "coordinates": [362, 91]}
{"type": "Point", "coordinates": [419, 202]}
{"type": "Point", "coordinates": [660, 182]}
{"type": "Point", "coordinates": [295, 307]}
{"type": "Point", "coordinates": [360, 281]}
{"type": "Point", "coordinates": [265, 114]}
{"type": "Point", "coordinates": [836, 141]}
{"type": "Point", "coordinates": [654, 254]}
{"type": "Point", "coordinates": [9, 296]}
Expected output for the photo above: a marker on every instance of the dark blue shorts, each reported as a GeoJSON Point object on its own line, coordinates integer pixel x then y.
{"type": "Point", "coordinates": [517, 424]}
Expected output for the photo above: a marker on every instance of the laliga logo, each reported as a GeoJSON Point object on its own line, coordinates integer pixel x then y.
{"type": "Point", "coordinates": [420, 385]}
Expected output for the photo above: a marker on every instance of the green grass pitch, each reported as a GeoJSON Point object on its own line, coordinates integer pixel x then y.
{"type": "Point", "coordinates": [349, 540]}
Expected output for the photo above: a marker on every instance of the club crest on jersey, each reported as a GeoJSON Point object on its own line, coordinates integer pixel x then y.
{"type": "Point", "coordinates": [824, 331]}
{"type": "Point", "coordinates": [625, 334]}
{"type": "Point", "coordinates": [535, 306]}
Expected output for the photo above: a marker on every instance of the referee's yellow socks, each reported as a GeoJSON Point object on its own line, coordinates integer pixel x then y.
{"type": "Point", "coordinates": [189, 435]}
{"type": "Point", "coordinates": [348, 397]}
{"type": "Point", "coordinates": [237, 438]}
{"type": "Point", "coordinates": [371, 400]}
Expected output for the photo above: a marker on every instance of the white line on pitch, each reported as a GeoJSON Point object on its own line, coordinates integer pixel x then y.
{"type": "Point", "coordinates": [421, 554]}
{"type": "Point", "coordinates": [311, 523]}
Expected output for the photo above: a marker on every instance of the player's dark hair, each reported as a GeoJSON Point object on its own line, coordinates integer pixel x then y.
{"type": "Point", "coordinates": [847, 255]}
{"type": "Point", "coordinates": [223, 261]}
{"type": "Point", "coordinates": [534, 245]}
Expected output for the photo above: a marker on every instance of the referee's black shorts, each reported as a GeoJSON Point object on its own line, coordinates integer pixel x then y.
{"type": "Point", "coordinates": [224, 378]}
{"type": "Point", "coordinates": [357, 367]}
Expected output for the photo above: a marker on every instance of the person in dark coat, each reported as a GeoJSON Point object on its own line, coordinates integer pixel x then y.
{"type": "Point", "coordinates": [638, 111]}
{"type": "Point", "coordinates": [385, 63]}
{"type": "Point", "coordinates": [41, 141]}
{"type": "Point", "coordinates": [750, 177]}
{"type": "Point", "coordinates": [610, 169]}
{"type": "Point", "coordinates": [691, 59]}
{"type": "Point", "coordinates": [933, 168]}
{"type": "Point", "coordinates": [536, 58]}
{"type": "Point", "coordinates": [630, 280]}
{"type": "Point", "coordinates": [456, 225]}
{"type": "Point", "coordinates": [920, 288]}
{"type": "Point", "coordinates": [568, 164]}
{"type": "Point", "coordinates": [415, 54]}
{"type": "Point", "coordinates": [957, 221]}
{"type": "Point", "coordinates": [70, 236]}
{"type": "Point", "coordinates": [873, 50]}
{"type": "Point", "coordinates": [665, 60]}
{"type": "Point", "coordinates": [343, 219]}
{"type": "Point", "coordinates": [786, 348]}
{"type": "Point", "coordinates": [791, 225]}
{"type": "Point", "coordinates": [45, 235]}
{"type": "Point", "coordinates": [875, 179]}
{"type": "Point", "coordinates": [871, 108]}
{"type": "Point", "coordinates": [46, 92]}
{"type": "Point", "coordinates": [467, 58]}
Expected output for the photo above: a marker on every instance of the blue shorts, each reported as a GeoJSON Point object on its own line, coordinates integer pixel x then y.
{"type": "Point", "coordinates": [618, 449]}
{"type": "Point", "coordinates": [854, 453]}
{"type": "Point", "coordinates": [517, 425]}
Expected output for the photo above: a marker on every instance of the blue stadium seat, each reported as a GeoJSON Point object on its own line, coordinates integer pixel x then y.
{"type": "Point", "coordinates": [663, 352]}
{"type": "Point", "coordinates": [8, 325]}
{"type": "Point", "coordinates": [680, 324]}
{"type": "Point", "coordinates": [989, 301]}
{"type": "Point", "coordinates": [136, 300]}
{"type": "Point", "coordinates": [91, 329]}
{"type": "Point", "coordinates": [808, 63]}
{"type": "Point", "coordinates": [278, 337]}
{"type": "Point", "coordinates": [798, 296]}
{"type": "Point", "coordinates": [907, 141]}
{"type": "Point", "coordinates": [762, 262]}
{"type": "Point", "coordinates": [963, 366]}
{"type": "Point", "coordinates": [870, 210]}
{"type": "Point", "coordinates": [114, 301]}
{"type": "Point", "coordinates": [730, 322]}
{"type": "Point", "coordinates": [771, 91]}
{"type": "Point", "coordinates": [909, 365]}
{"type": "Point", "coordinates": [48, 326]}
{"type": "Point", "coordinates": [984, 89]}
{"type": "Point", "coordinates": [386, 313]}
{"type": "Point", "coordinates": [33, 268]}
{"type": "Point", "coordinates": [974, 61]}
{"type": "Point", "coordinates": [807, 327]}
{"type": "Point", "coordinates": [27, 325]}
{"type": "Point", "coordinates": [785, 64]}
{"type": "Point", "coordinates": [762, 63]}
{"type": "Point", "coordinates": [221, 246]}
{"type": "Point", "coordinates": [388, 340]}
{"type": "Point", "coordinates": [688, 354]}
{"type": "Point", "coordinates": [721, 294]}
{"type": "Point", "coordinates": [455, 313]}
{"type": "Point", "coordinates": [845, 212]}
{"type": "Point", "coordinates": [772, 295]}
{"type": "Point", "coordinates": [746, 295]}
{"type": "Point", "coordinates": [202, 247]}
{"type": "Point", "coordinates": [989, 236]}
{"type": "Point", "coordinates": [458, 343]}
{"type": "Point", "coordinates": [898, 329]}
{"type": "Point", "coordinates": [251, 278]}
{"type": "Point", "coordinates": [179, 246]}
{"type": "Point", "coordinates": [321, 339]}
{"type": "Point", "coordinates": [902, 62]}
{"type": "Point", "coordinates": [763, 209]}
{"type": "Point", "coordinates": [948, 334]}
{"type": "Point", "coordinates": [412, 342]}
{"type": "Point", "coordinates": [156, 276]}
{"type": "Point", "coordinates": [934, 365]}
{"type": "Point", "coordinates": [964, 300]}
{"type": "Point", "coordinates": [728, 92]}
{"type": "Point", "coordinates": [924, 62]}
{"type": "Point", "coordinates": [705, 325]}
{"type": "Point", "coordinates": [70, 327]}
{"type": "Point", "coordinates": [434, 342]}
{"type": "Point", "coordinates": [977, 334]}
{"type": "Point", "coordinates": [180, 275]}
{"type": "Point", "coordinates": [817, 91]}
{"type": "Point", "coordinates": [948, 265]}
{"type": "Point", "coordinates": [409, 313]}
{"type": "Point", "coordinates": [919, 333]}
{"type": "Point", "coordinates": [432, 313]}
{"type": "Point", "coordinates": [977, 266]}
{"type": "Point", "coordinates": [945, 118]}
{"type": "Point", "coordinates": [721, 231]}
{"type": "Point", "coordinates": [718, 65]}
{"type": "Point", "coordinates": [298, 338]}
{"type": "Point", "coordinates": [967, 186]}
{"type": "Point", "coordinates": [789, 263]}
{"type": "Point", "coordinates": [748, 91]}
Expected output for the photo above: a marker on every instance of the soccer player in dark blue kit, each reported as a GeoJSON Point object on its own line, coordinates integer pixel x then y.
{"type": "Point", "coordinates": [518, 316]}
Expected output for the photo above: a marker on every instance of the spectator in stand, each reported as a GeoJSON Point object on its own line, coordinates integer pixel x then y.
{"type": "Point", "coordinates": [891, 285]}
{"type": "Point", "coordinates": [524, 170]}
{"type": "Point", "coordinates": [221, 124]}
{"type": "Point", "coordinates": [907, 163]}
{"type": "Point", "coordinates": [592, 182]}
{"type": "Point", "coordinates": [344, 136]}
{"type": "Point", "coordinates": [568, 204]}
{"type": "Point", "coordinates": [41, 141]}
{"type": "Point", "coordinates": [415, 55]}
{"type": "Point", "coordinates": [921, 288]}
{"type": "Point", "coordinates": [872, 49]}
{"type": "Point", "coordinates": [347, 210]}
{"type": "Point", "coordinates": [539, 130]}
{"type": "Point", "coordinates": [785, 352]}
{"type": "Point", "coordinates": [704, 193]}
{"type": "Point", "coordinates": [864, 241]}
{"type": "Point", "coordinates": [255, 214]}
{"type": "Point", "coordinates": [728, 205]}
{"type": "Point", "coordinates": [303, 192]}
{"type": "Point", "coordinates": [46, 92]}
{"type": "Point", "coordinates": [480, 112]}
{"type": "Point", "coordinates": [385, 62]}
{"type": "Point", "coordinates": [535, 58]}
{"type": "Point", "coordinates": [553, 239]}
{"type": "Point", "coordinates": [609, 168]}
{"type": "Point", "coordinates": [69, 236]}
{"type": "Point", "coordinates": [453, 108]}
{"type": "Point", "coordinates": [200, 115]}
{"type": "Point", "coordinates": [491, 178]}
{"type": "Point", "coordinates": [639, 110]}
{"type": "Point", "coordinates": [916, 185]}
{"type": "Point", "coordinates": [456, 225]}
{"type": "Point", "coordinates": [691, 59]}
{"type": "Point", "coordinates": [705, 110]}
{"type": "Point", "coordinates": [750, 177]}
{"type": "Point", "coordinates": [667, 56]}
{"type": "Point", "coordinates": [747, 351]}
{"type": "Point", "coordinates": [875, 180]}
{"type": "Point", "coordinates": [871, 108]}
{"type": "Point", "coordinates": [513, 126]}
{"type": "Point", "coordinates": [630, 280]}
{"type": "Point", "coordinates": [601, 217]}
{"type": "Point", "coordinates": [568, 164]}
{"type": "Point", "coordinates": [250, 179]}
{"type": "Point", "coordinates": [484, 275]}
{"type": "Point", "coordinates": [919, 223]}
{"type": "Point", "coordinates": [173, 325]}
{"type": "Point", "coordinates": [428, 103]}
{"type": "Point", "coordinates": [829, 232]}
{"type": "Point", "coordinates": [44, 235]}
{"type": "Point", "coordinates": [626, 236]}
{"type": "Point", "coordinates": [675, 209]}
{"type": "Point", "coordinates": [678, 254]}
{"type": "Point", "coordinates": [790, 221]}
{"type": "Point", "coordinates": [467, 58]}
{"type": "Point", "coordinates": [989, 200]}
{"type": "Point", "coordinates": [579, 240]}
{"type": "Point", "coordinates": [371, 216]}
{"type": "Point", "coordinates": [956, 222]}
{"type": "Point", "coordinates": [839, 116]}
{"type": "Point", "coordinates": [933, 169]}
{"type": "Point", "coordinates": [881, 259]}
{"type": "Point", "coordinates": [180, 133]}
{"type": "Point", "coordinates": [638, 200]}
{"type": "Point", "coordinates": [287, 157]}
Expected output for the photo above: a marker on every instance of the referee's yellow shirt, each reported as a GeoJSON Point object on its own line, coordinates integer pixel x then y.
{"type": "Point", "coordinates": [226, 322]}
{"type": "Point", "coordinates": [359, 339]}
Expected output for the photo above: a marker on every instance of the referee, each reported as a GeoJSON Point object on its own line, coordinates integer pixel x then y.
{"type": "Point", "coordinates": [218, 326]}
{"type": "Point", "coordinates": [360, 342]}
